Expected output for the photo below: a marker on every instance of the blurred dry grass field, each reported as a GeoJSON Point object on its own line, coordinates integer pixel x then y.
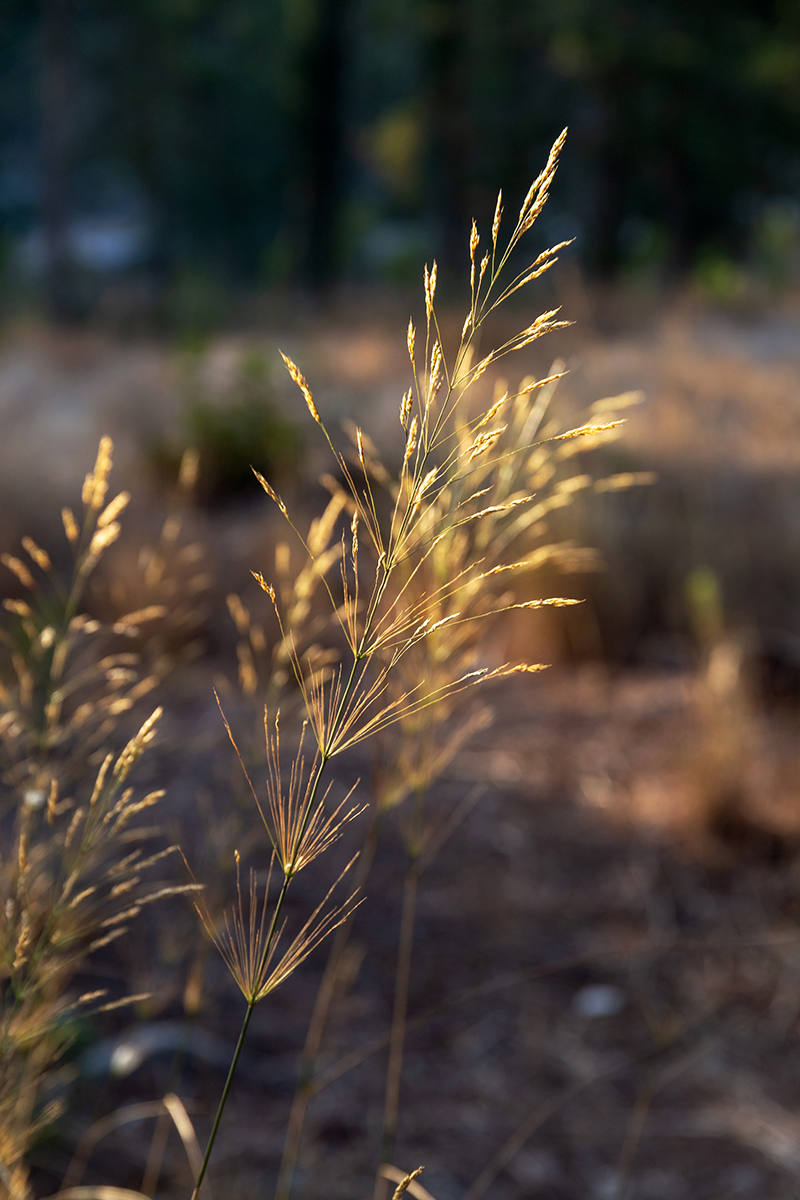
{"type": "Point", "coordinates": [607, 991]}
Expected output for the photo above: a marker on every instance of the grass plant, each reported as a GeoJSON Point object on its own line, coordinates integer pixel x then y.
{"type": "Point", "coordinates": [426, 557]}
{"type": "Point", "coordinates": [80, 870]}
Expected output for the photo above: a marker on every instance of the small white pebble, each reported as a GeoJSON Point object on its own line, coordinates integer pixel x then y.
{"type": "Point", "coordinates": [126, 1058]}
{"type": "Point", "coordinates": [599, 1000]}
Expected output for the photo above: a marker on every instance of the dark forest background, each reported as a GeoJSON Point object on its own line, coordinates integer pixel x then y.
{"type": "Point", "coordinates": [163, 145]}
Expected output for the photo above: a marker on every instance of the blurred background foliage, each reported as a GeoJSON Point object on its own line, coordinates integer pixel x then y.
{"type": "Point", "coordinates": [157, 151]}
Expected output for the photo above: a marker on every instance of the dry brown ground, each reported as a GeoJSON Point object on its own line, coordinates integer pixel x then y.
{"type": "Point", "coordinates": [602, 976]}
{"type": "Point", "coordinates": [611, 938]}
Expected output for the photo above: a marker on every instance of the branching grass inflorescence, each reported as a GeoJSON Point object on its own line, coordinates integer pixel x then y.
{"type": "Point", "coordinates": [424, 557]}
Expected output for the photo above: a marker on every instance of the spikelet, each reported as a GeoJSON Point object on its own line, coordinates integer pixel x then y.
{"type": "Point", "coordinates": [411, 442]}
{"type": "Point", "coordinates": [95, 485]}
{"type": "Point", "coordinates": [474, 239]}
{"type": "Point", "coordinates": [21, 950]}
{"type": "Point", "coordinates": [430, 288]}
{"type": "Point", "coordinates": [273, 495]}
{"type": "Point", "coordinates": [405, 408]}
{"type": "Point", "coordinates": [301, 383]}
{"type": "Point", "coordinates": [262, 583]}
{"type": "Point", "coordinates": [498, 213]}
{"type": "Point", "coordinates": [435, 378]}
{"type": "Point", "coordinates": [482, 365]}
{"type": "Point", "coordinates": [483, 442]}
{"type": "Point", "coordinates": [501, 395]}
{"type": "Point", "coordinates": [19, 569]}
{"type": "Point", "coordinates": [19, 607]}
{"type": "Point", "coordinates": [70, 525]}
{"type": "Point", "coordinates": [103, 538]}
{"type": "Point", "coordinates": [615, 403]}
{"type": "Point", "coordinates": [427, 481]}
{"type": "Point", "coordinates": [131, 620]}
{"type": "Point", "coordinates": [586, 430]}
{"type": "Point", "coordinates": [112, 511]}
{"type": "Point", "coordinates": [411, 337]}
{"type": "Point", "coordinates": [627, 479]}
{"type": "Point", "coordinates": [77, 817]}
{"type": "Point", "coordinates": [39, 556]}
{"type": "Point", "coordinates": [136, 745]}
{"type": "Point", "coordinates": [354, 532]}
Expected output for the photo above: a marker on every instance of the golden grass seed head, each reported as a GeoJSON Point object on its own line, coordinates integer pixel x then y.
{"type": "Point", "coordinates": [239, 614]}
{"type": "Point", "coordinates": [435, 377]}
{"type": "Point", "coordinates": [21, 950]}
{"type": "Point", "coordinates": [262, 583]}
{"type": "Point", "coordinates": [137, 744]}
{"type": "Point", "coordinates": [70, 525]}
{"type": "Point", "coordinates": [95, 485]}
{"type": "Point", "coordinates": [615, 403]}
{"type": "Point", "coordinates": [427, 482]}
{"type": "Point", "coordinates": [430, 288]}
{"type": "Point", "coordinates": [301, 383]}
{"type": "Point", "coordinates": [18, 607]}
{"type": "Point", "coordinates": [269, 489]}
{"type": "Point", "coordinates": [482, 366]}
{"type": "Point", "coordinates": [587, 430]}
{"type": "Point", "coordinates": [626, 479]}
{"type": "Point", "coordinates": [566, 487]}
{"type": "Point", "coordinates": [354, 531]}
{"type": "Point", "coordinates": [39, 556]}
{"type": "Point", "coordinates": [405, 408]}
{"type": "Point", "coordinates": [498, 213]}
{"type": "Point", "coordinates": [411, 442]}
{"type": "Point", "coordinates": [77, 817]}
{"type": "Point", "coordinates": [248, 676]}
{"type": "Point", "coordinates": [19, 569]}
{"type": "Point", "coordinates": [130, 622]}
{"type": "Point", "coordinates": [501, 396]}
{"type": "Point", "coordinates": [189, 469]}
{"type": "Point", "coordinates": [405, 1183]}
{"type": "Point", "coordinates": [112, 511]}
{"type": "Point", "coordinates": [411, 337]}
{"type": "Point", "coordinates": [103, 538]}
{"type": "Point", "coordinates": [52, 801]}
{"type": "Point", "coordinates": [484, 441]}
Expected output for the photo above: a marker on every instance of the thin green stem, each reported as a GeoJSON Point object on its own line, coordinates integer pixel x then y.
{"type": "Point", "coordinates": [288, 876]}
{"type": "Point", "coordinates": [224, 1098]}
{"type": "Point", "coordinates": [316, 1030]}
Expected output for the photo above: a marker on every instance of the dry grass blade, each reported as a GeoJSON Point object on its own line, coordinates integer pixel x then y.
{"type": "Point", "coordinates": [98, 1191]}
{"type": "Point", "coordinates": [177, 1110]}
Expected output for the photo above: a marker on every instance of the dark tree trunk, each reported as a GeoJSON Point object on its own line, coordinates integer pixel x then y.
{"type": "Point", "coordinates": [450, 133]}
{"type": "Point", "coordinates": [326, 67]}
{"type": "Point", "coordinates": [57, 114]}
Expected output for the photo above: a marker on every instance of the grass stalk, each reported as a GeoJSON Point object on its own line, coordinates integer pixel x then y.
{"type": "Point", "coordinates": [289, 871]}
{"type": "Point", "coordinates": [223, 1098]}
{"type": "Point", "coordinates": [399, 1015]}
{"type": "Point", "coordinates": [306, 1073]}
{"type": "Point", "coordinates": [251, 1003]}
